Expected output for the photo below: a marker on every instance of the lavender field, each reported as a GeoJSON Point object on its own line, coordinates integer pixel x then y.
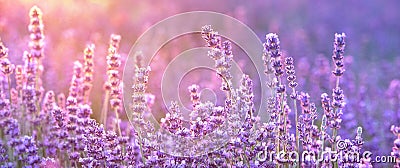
{"type": "Point", "coordinates": [272, 84]}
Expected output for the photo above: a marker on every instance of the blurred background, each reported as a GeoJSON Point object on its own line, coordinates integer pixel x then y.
{"type": "Point", "coordinates": [306, 30]}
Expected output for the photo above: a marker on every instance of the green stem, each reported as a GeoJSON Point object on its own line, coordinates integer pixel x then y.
{"type": "Point", "coordinates": [337, 81]}
{"type": "Point", "coordinates": [322, 149]}
{"type": "Point", "coordinates": [322, 129]}
{"type": "Point", "coordinates": [22, 124]}
{"type": "Point", "coordinates": [335, 130]}
{"type": "Point", "coordinates": [246, 160]}
{"type": "Point", "coordinates": [66, 158]}
{"type": "Point", "coordinates": [14, 158]}
{"type": "Point", "coordinates": [278, 134]}
{"type": "Point", "coordinates": [296, 122]}
{"type": "Point", "coordinates": [86, 96]}
{"type": "Point", "coordinates": [334, 133]}
{"type": "Point", "coordinates": [117, 118]}
{"type": "Point", "coordinates": [119, 130]}
{"type": "Point", "coordinates": [141, 151]}
{"type": "Point", "coordinates": [282, 115]}
{"type": "Point", "coordinates": [2, 135]}
{"type": "Point", "coordinates": [284, 130]}
{"type": "Point", "coordinates": [40, 138]}
{"type": "Point", "coordinates": [105, 108]}
{"type": "Point", "coordinates": [9, 89]}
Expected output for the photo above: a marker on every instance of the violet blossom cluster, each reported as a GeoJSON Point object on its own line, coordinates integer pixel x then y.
{"type": "Point", "coordinates": [46, 129]}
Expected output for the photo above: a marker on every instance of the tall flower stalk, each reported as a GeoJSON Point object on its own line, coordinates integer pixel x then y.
{"type": "Point", "coordinates": [7, 68]}
{"type": "Point", "coordinates": [139, 104]}
{"type": "Point", "coordinates": [291, 78]}
{"type": "Point", "coordinates": [337, 93]}
{"type": "Point", "coordinates": [36, 50]}
{"type": "Point", "coordinates": [272, 51]}
{"type": "Point", "coordinates": [88, 70]}
{"type": "Point", "coordinates": [113, 84]}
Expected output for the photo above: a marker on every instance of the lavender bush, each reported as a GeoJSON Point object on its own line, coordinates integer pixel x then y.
{"type": "Point", "coordinates": [41, 128]}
